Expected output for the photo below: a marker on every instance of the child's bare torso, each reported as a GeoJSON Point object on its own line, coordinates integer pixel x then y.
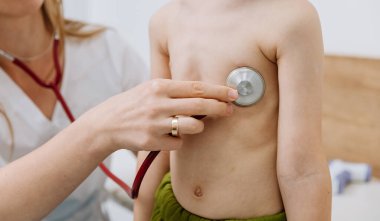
{"type": "Point", "coordinates": [229, 171]}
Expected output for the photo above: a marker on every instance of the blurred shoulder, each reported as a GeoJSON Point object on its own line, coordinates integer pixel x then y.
{"type": "Point", "coordinates": [165, 11]}
{"type": "Point", "coordinates": [101, 39]}
{"type": "Point", "coordinates": [159, 24]}
{"type": "Point", "coordinates": [162, 16]}
{"type": "Point", "coordinates": [294, 15]}
{"type": "Point", "coordinates": [293, 21]}
{"type": "Point", "coordinates": [106, 47]}
{"type": "Point", "coordinates": [291, 6]}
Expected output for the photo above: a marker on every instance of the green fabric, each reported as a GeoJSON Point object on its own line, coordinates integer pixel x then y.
{"type": "Point", "coordinates": [168, 209]}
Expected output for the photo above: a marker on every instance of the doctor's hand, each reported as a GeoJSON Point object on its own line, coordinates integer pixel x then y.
{"type": "Point", "coordinates": [141, 118]}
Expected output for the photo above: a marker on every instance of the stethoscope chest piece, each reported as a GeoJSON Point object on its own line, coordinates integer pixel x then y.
{"type": "Point", "coordinates": [249, 83]}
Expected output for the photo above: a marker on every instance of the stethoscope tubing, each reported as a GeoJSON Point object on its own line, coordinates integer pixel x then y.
{"type": "Point", "coordinates": [54, 86]}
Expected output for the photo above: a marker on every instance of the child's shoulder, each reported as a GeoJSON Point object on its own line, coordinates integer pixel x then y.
{"type": "Point", "coordinates": [158, 23]}
{"type": "Point", "coordinates": [163, 13]}
{"type": "Point", "coordinates": [288, 6]}
{"type": "Point", "coordinates": [291, 13]}
{"type": "Point", "coordinates": [290, 21]}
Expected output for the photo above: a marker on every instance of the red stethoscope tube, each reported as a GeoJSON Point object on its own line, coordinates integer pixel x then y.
{"type": "Point", "coordinates": [54, 85]}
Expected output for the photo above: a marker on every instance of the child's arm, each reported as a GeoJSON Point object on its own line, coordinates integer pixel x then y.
{"type": "Point", "coordinates": [160, 69]}
{"type": "Point", "coordinates": [301, 165]}
{"type": "Point", "coordinates": [143, 205]}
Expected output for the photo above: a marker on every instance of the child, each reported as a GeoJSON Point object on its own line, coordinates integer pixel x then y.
{"type": "Point", "coordinates": [266, 159]}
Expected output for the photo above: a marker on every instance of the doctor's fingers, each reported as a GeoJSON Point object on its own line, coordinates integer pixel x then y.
{"type": "Point", "coordinates": [198, 106]}
{"type": "Point", "coordinates": [186, 125]}
{"type": "Point", "coordinates": [194, 89]}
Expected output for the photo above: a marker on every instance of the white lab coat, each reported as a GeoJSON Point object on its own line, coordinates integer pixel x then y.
{"type": "Point", "coordinates": [94, 70]}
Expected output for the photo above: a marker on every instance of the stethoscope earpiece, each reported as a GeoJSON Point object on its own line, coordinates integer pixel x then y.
{"type": "Point", "coordinates": [249, 83]}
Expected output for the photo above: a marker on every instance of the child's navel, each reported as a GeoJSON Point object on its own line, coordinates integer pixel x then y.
{"type": "Point", "coordinates": [198, 192]}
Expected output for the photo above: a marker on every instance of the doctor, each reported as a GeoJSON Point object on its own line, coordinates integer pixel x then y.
{"type": "Point", "coordinates": [48, 166]}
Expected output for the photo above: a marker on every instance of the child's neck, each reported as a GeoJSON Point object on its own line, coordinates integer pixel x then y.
{"type": "Point", "coordinates": [212, 4]}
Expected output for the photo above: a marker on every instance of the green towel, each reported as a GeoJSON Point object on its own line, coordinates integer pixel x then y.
{"type": "Point", "coordinates": [168, 209]}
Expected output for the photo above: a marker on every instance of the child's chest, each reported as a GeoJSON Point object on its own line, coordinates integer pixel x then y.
{"type": "Point", "coordinates": [209, 48]}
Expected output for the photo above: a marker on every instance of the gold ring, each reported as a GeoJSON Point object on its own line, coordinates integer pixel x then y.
{"type": "Point", "coordinates": [175, 127]}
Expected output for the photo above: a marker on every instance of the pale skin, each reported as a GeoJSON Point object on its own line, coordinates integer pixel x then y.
{"type": "Point", "coordinates": [36, 183]}
{"type": "Point", "coordinates": [266, 158]}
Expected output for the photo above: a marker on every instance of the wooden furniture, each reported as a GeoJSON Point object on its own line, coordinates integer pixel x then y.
{"type": "Point", "coordinates": [351, 110]}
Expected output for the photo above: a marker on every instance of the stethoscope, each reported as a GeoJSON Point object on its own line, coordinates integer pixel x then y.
{"type": "Point", "coordinates": [248, 82]}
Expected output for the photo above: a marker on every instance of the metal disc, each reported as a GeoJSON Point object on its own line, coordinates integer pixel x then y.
{"type": "Point", "coordinates": [249, 83]}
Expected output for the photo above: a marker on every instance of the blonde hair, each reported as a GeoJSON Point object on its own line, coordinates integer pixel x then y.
{"type": "Point", "coordinates": [53, 15]}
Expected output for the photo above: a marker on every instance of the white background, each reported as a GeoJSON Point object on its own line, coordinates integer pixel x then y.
{"type": "Point", "coordinates": [350, 27]}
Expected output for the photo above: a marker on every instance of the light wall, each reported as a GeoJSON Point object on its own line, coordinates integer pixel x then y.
{"type": "Point", "coordinates": [350, 27]}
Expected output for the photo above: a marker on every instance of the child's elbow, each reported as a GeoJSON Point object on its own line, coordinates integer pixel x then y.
{"type": "Point", "coordinates": [300, 170]}
{"type": "Point", "coordinates": [316, 176]}
{"type": "Point", "coordinates": [314, 179]}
